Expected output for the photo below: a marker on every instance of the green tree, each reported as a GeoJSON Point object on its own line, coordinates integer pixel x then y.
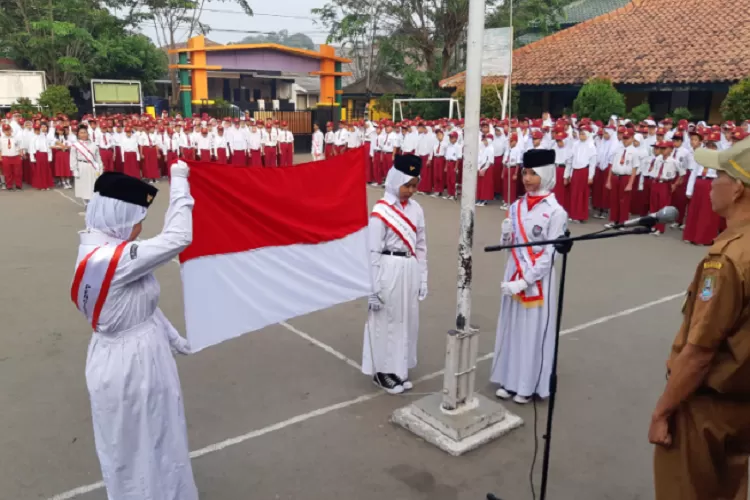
{"type": "Point", "coordinates": [640, 112]}
{"type": "Point", "coordinates": [56, 99]}
{"type": "Point", "coordinates": [537, 16]}
{"type": "Point", "coordinates": [598, 99]}
{"type": "Point", "coordinates": [736, 105]}
{"type": "Point", "coordinates": [24, 106]}
{"type": "Point", "coordinates": [490, 104]}
{"type": "Point", "coordinates": [681, 113]}
{"type": "Point", "coordinates": [297, 40]}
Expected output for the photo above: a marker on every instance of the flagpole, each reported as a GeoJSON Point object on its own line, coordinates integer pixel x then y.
{"type": "Point", "coordinates": [458, 420]}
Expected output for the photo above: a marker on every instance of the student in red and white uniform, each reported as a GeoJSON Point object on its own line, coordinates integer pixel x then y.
{"type": "Point", "coordinates": [563, 158]}
{"type": "Point", "coordinates": [621, 179]}
{"type": "Point", "coordinates": [61, 158]}
{"type": "Point", "coordinates": [205, 145]}
{"type": "Point", "coordinates": [286, 146]}
{"type": "Point", "coordinates": [106, 146]}
{"type": "Point", "coordinates": [499, 145]}
{"type": "Point", "coordinates": [220, 146]}
{"type": "Point", "coordinates": [11, 150]}
{"type": "Point", "coordinates": [679, 198]}
{"type": "Point", "coordinates": [149, 154]}
{"type": "Point", "coordinates": [131, 154]}
{"type": "Point", "coordinates": [341, 138]}
{"type": "Point", "coordinates": [40, 152]}
{"type": "Point", "coordinates": [398, 266]}
{"type": "Point", "coordinates": [354, 139]}
{"type": "Point", "coordinates": [172, 148]}
{"type": "Point", "coordinates": [580, 175]}
{"type": "Point", "coordinates": [485, 164]}
{"type": "Point", "coordinates": [438, 163]}
{"type": "Point", "coordinates": [370, 135]}
{"type": "Point", "coordinates": [255, 146]}
{"type": "Point", "coordinates": [453, 155]}
{"type": "Point", "coordinates": [661, 186]}
{"type": "Point", "coordinates": [376, 152]}
{"type": "Point", "coordinates": [424, 151]}
{"type": "Point", "coordinates": [317, 147]}
{"type": "Point", "coordinates": [330, 141]}
{"type": "Point", "coordinates": [270, 146]}
{"type": "Point", "coordinates": [512, 162]}
{"type": "Point", "coordinates": [237, 144]}
{"type": "Point", "coordinates": [702, 224]}
{"type": "Point", "coordinates": [117, 134]}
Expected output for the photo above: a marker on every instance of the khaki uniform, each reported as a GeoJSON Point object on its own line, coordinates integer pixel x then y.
{"type": "Point", "coordinates": [708, 458]}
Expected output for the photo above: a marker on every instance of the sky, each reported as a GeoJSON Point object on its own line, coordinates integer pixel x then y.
{"type": "Point", "coordinates": [291, 15]}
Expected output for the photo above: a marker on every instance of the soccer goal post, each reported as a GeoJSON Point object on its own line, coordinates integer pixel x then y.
{"type": "Point", "coordinates": [453, 104]}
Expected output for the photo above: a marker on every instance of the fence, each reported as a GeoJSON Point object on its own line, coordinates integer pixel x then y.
{"type": "Point", "coordinates": [300, 122]}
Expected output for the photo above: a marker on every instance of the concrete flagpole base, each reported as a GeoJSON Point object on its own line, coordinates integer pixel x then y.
{"type": "Point", "coordinates": [481, 421]}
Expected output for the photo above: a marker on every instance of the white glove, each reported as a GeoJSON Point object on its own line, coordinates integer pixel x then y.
{"type": "Point", "coordinates": [77, 174]}
{"type": "Point", "coordinates": [181, 345]}
{"type": "Point", "coordinates": [180, 169]}
{"type": "Point", "coordinates": [423, 291]}
{"type": "Point", "coordinates": [513, 287]}
{"type": "Point", "coordinates": [375, 302]}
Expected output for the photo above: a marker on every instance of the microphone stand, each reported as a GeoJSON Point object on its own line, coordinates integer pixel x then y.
{"type": "Point", "coordinates": [562, 245]}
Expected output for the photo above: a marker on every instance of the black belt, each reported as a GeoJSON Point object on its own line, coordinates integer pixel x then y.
{"type": "Point", "coordinates": [396, 254]}
{"type": "Point", "coordinates": [621, 175]}
{"type": "Point", "coordinates": [661, 181]}
{"type": "Point", "coordinates": [560, 166]}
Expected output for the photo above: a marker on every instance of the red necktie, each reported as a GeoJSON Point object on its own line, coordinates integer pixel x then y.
{"type": "Point", "coordinates": [8, 142]}
{"type": "Point", "coordinates": [438, 151]}
{"type": "Point", "coordinates": [105, 140]}
{"type": "Point", "coordinates": [149, 140]}
{"type": "Point", "coordinates": [651, 168]}
{"type": "Point", "coordinates": [622, 160]}
{"type": "Point", "coordinates": [661, 169]}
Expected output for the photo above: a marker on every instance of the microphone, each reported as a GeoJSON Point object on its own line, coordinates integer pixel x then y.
{"type": "Point", "coordinates": [663, 216]}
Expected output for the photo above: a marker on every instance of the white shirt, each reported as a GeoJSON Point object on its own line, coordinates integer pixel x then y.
{"type": "Point", "coordinates": [330, 137]}
{"type": "Point", "coordinates": [204, 143]}
{"type": "Point", "coordinates": [668, 170]}
{"type": "Point", "coordinates": [440, 147]}
{"type": "Point", "coordinates": [147, 140]}
{"type": "Point", "coordinates": [130, 145]}
{"type": "Point", "coordinates": [486, 157]}
{"type": "Point", "coordinates": [696, 171]}
{"type": "Point", "coordinates": [317, 143]}
{"type": "Point", "coordinates": [341, 137]}
{"type": "Point", "coordinates": [499, 144]}
{"type": "Point", "coordinates": [39, 144]}
{"type": "Point", "coordinates": [424, 145]}
{"type": "Point", "coordinates": [409, 144]}
{"type": "Point", "coordinates": [237, 140]}
{"type": "Point", "coordinates": [625, 160]}
{"type": "Point", "coordinates": [286, 136]}
{"type": "Point", "coordinates": [105, 141]}
{"type": "Point", "coordinates": [353, 140]}
{"type": "Point", "coordinates": [563, 155]}
{"type": "Point", "coordinates": [584, 156]}
{"type": "Point", "coordinates": [453, 151]}
{"type": "Point", "coordinates": [220, 142]}
{"type": "Point", "coordinates": [11, 146]}
{"type": "Point", "coordinates": [513, 156]}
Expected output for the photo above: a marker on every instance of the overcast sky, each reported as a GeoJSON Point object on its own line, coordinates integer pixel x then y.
{"type": "Point", "coordinates": [291, 15]}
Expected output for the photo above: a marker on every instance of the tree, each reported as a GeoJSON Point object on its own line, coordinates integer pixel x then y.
{"type": "Point", "coordinates": [681, 113]}
{"type": "Point", "coordinates": [24, 106]}
{"type": "Point", "coordinates": [73, 41]}
{"type": "Point", "coordinates": [489, 104]}
{"type": "Point", "coordinates": [297, 40]}
{"type": "Point", "coordinates": [529, 16]}
{"type": "Point", "coordinates": [56, 99]}
{"type": "Point", "coordinates": [599, 100]}
{"type": "Point", "coordinates": [640, 112]}
{"type": "Point", "coordinates": [736, 105]}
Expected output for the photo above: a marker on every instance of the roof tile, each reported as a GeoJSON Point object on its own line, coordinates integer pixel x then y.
{"type": "Point", "coordinates": [640, 43]}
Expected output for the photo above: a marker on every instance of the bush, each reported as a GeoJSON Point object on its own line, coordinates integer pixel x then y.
{"type": "Point", "coordinates": [24, 106]}
{"type": "Point", "coordinates": [598, 99]}
{"type": "Point", "coordinates": [56, 99]}
{"type": "Point", "coordinates": [640, 112]}
{"type": "Point", "coordinates": [490, 105]}
{"type": "Point", "coordinates": [736, 105]}
{"type": "Point", "coordinates": [680, 114]}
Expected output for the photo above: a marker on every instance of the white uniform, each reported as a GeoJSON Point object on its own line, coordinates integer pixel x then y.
{"type": "Point", "coordinates": [134, 388]}
{"type": "Point", "coordinates": [317, 148]}
{"type": "Point", "coordinates": [525, 338]}
{"type": "Point", "coordinates": [390, 344]}
{"type": "Point", "coordinates": [86, 165]}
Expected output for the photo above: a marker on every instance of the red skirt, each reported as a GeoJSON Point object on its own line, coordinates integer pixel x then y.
{"type": "Point", "coordinates": [600, 196]}
{"type": "Point", "coordinates": [269, 154]}
{"type": "Point", "coordinates": [497, 176]}
{"type": "Point", "coordinates": [41, 174]}
{"type": "Point", "coordinates": [680, 200]}
{"type": "Point", "coordinates": [702, 224]}
{"type": "Point", "coordinates": [256, 159]}
{"type": "Point", "coordinates": [118, 159]}
{"type": "Point", "coordinates": [108, 159]}
{"type": "Point", "coordinates": [561, 190]}
{"type": "Point", "coordinates": [661, 194]}
{"type": "Point", "coordinates": [172, 158]}
{"type": "Point", "coordinates": [509, 192]}
{"type": "Point", "coordinates": [26, 162]}
{"type": "Point", "coordinates": [639, 199]}
{"type": "Point", "coordinates": [619, 201]}
{"type": "Point", "coordinates": [486, 185]}
{"type": "Point", "coordinates": [579, 195]}
{"type": "Point", "coordinates": [62, 163]}
{"type": "Point", "coordinates": [205, 154]}
{"type": "Point", "coordinates": [425, 176]}
{"type": "Point", "coordinates": [329, 150]}
{"type": "Point", "coordinates": [451, 177]}
{"type": "Point", "coordinates": [239, 159]}
{"type": "Point", "coordinates": [188, 154]}
{"type": "Point", "coordinates": [221, 156]}
{"type": "Point", "coordinates": [150, 163]}
{"type": "Point", "coordinates": [438, 174]}
{"type": "Point", "coordinates": [386, 162]}
{"type": "Point", "coordinates": [130, 165]}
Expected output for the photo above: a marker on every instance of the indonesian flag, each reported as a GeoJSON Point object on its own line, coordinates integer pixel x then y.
{"type": "Point", "coordinates": [270, 244]}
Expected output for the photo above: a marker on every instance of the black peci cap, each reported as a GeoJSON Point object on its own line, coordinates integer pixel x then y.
{"type": "Point", "coordinates": [408, 164]}
{"type": "Point", "coordinates": [538, 158]}
{"type": "Point", "coordinates": [125, 188]}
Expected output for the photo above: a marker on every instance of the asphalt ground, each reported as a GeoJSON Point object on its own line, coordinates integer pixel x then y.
{"type": "Point", "coordinates": [284, 413]}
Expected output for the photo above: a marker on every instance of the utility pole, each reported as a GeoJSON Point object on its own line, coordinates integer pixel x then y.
{"type": "Point", "coordinates": [458, 420]}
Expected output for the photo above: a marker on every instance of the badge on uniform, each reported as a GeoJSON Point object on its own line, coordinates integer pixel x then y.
{"type": "Point", "coordinates": [708, 288]}
{"type": "Point", "coordinates": [537, 231]}
{"type": "Point", "coordinates": [133, 251]}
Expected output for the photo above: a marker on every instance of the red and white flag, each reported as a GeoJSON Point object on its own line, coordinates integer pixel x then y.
{"type": "Point", "coordinates": [270, 244]}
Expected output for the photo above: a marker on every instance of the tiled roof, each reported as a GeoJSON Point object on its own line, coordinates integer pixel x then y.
{"type": "Point", "coordinates": [583, 10]}
{"type": "Point", "coordinates": [644, 42]}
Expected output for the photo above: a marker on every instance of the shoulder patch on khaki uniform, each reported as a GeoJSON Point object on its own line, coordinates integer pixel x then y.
{"type": "Point", "coordinates": [712, 264]}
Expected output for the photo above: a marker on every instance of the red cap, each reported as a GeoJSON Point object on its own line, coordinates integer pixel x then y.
{"type": "Point", "coordinates": [667, 121]}
{"type": "Point", "coordinates": [220, 129]}
{"type": "Point", "coordinates": [128, 129]}
{"type": "Point", "coordinates": [537, 134]}
{"type": "Point", "coordinates": [660, 131]}
{"type": "Point", "coordinates": [283, 124]}
{"type": "Point", "coordinates": [561, 136]}
{"type": "Point", "coordinates": [513, 137]}
{"type": "Point", "coordinates": [678, 136]}
{"type": "Point", "coordinates": [714, 137]}
{"type": "Point", "coordinates": [329, 124]}
{"type": "Point", "coordinates": [738, 134]}
{"type": "Point", "coordinates": [236, 120]}
{"type": "Point", "coordinates": [667, 144]}
{"type": "Point", "coordinates": [585, 128]}
{"type": "Point", "coordinates": [453, 134]}
{"type": "Point", "coordinates": [6, 127]}
{"type": "Point", "coordinates": [627, 134]}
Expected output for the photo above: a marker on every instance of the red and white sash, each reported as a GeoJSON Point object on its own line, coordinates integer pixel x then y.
{"type": "Point", "coordinates": [527, 255]}
{"type": "Point", "coordinates": [93, 278]}
{"type": "Point", "coordinates": [86, 152]}
{"type": "Point", "coordinates": [398, 222]}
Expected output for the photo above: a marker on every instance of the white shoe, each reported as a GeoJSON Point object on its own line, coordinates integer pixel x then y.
{"type": "Point", "coordinates": [609, 225]}
{"type": "Point", "coordinates": [682, 227]}
{"type": "Point", "coordinates": [521, 400]}
{"type": "Point", "coordinates": [657, 233]}
{"type": "Point", "coordinates": [435, 195]}
{"type": "Point", "coordinates": [674, 225]}
{"type": "Point", "coordinates": [407, 385]}
{"type": "Point", "coordinates": [502, 394]}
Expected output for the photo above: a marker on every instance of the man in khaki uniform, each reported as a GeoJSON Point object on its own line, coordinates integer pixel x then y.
{"type": "Point", "coordinates": [701, 424]}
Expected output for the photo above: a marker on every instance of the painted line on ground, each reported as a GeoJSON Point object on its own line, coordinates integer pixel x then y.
{"type": "Point", "coordinates": [68, 197]}
{"type": "Point", "coordinates": [330, 350]}
{"type": "Point", "coordinates": [82, 490]}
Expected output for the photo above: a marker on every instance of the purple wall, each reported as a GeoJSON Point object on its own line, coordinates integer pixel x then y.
{"type": "Point", "coordinates": [261, 60]}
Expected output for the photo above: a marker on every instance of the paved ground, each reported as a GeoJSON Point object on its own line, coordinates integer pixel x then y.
{"type": "Point", "coordinates": [273, 415]}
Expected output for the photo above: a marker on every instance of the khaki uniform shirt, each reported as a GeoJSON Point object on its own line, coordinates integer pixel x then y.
{"type": "Point", "coordinates": [717, 312]}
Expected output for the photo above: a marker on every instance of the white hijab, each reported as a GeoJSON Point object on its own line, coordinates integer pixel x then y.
{"type": "Point", "coordinates": [548, 176]}
{"type": "Point", "coordinates": [393, 182]}
{"type": "Point", "coordinates": [113, 217]}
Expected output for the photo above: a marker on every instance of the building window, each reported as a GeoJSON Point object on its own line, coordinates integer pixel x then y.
{"type": "Point", "coordinates": [699, 104]}
{"type": "Point", "coordinates": [660, 102]}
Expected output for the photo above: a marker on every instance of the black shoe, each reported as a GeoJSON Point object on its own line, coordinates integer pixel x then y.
{"type": "Point", "coordinates": [388, 383]}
